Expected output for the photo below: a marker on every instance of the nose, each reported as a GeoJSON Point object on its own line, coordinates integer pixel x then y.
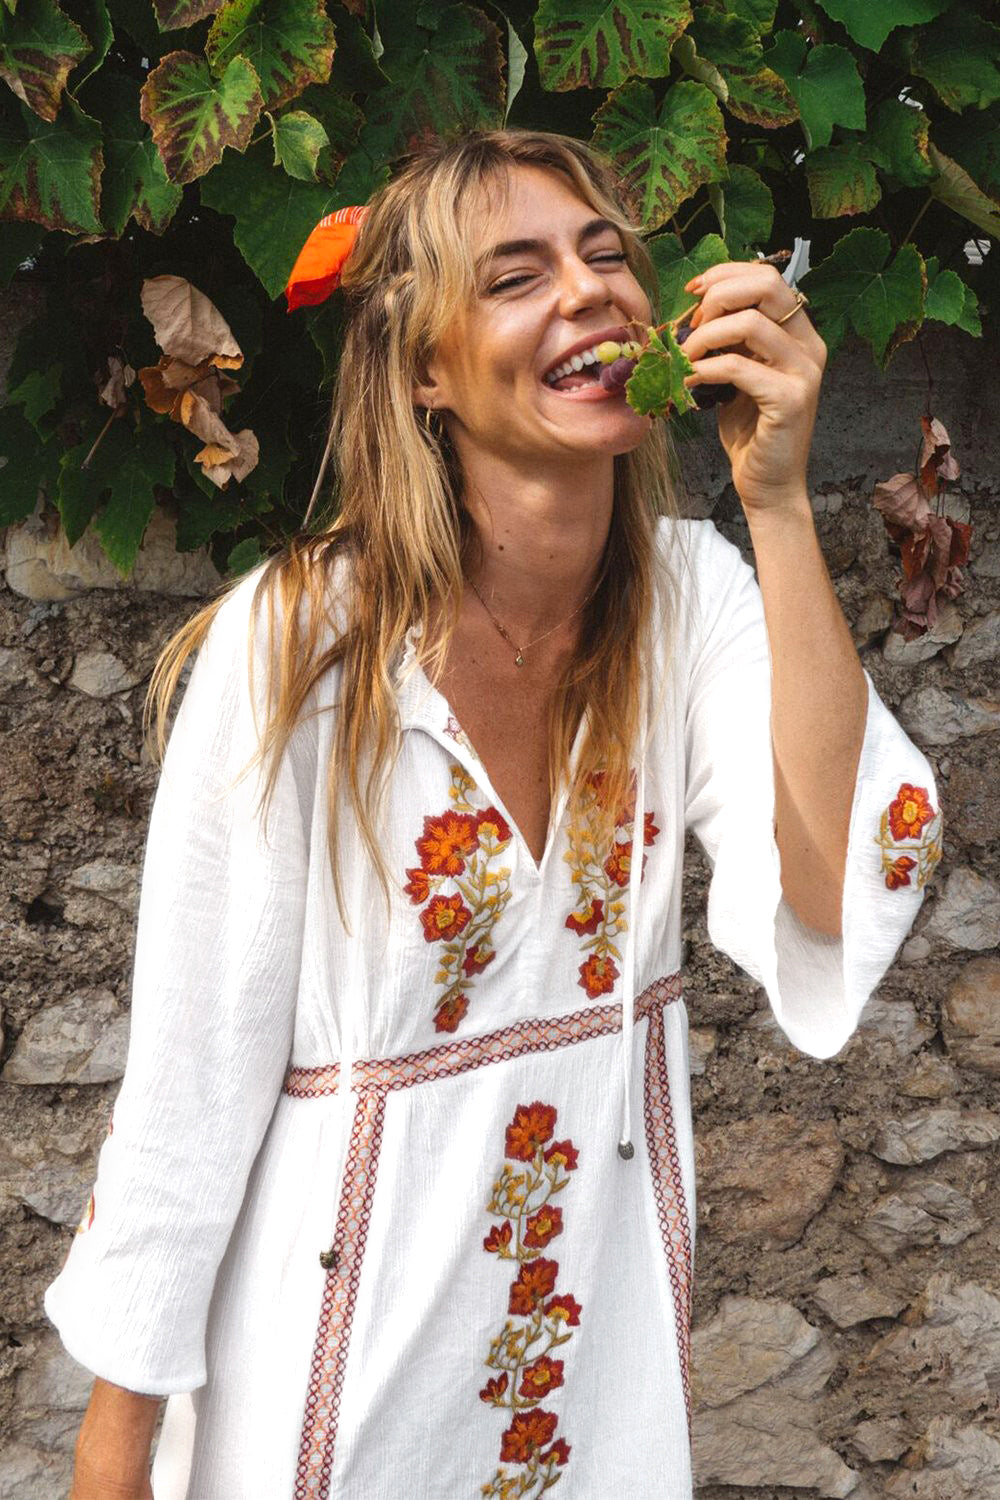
{"type": "Point", "coordinates": [581, 286]}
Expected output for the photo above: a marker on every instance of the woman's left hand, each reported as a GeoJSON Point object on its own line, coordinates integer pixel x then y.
{"type": "Point", "coordinates": [767, 428]}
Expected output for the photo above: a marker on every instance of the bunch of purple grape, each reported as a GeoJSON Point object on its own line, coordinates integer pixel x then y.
{"type": "Point", "coordinates": [708, 395]}
{"type": "Point", "coordinates": [614, 375]}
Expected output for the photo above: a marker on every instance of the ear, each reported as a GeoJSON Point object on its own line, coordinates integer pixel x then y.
{"type": "Point", "coordinates": [428, 388]}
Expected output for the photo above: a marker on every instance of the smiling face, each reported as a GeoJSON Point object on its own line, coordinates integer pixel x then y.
{"type": "Point", "coordinates": [560, 284]}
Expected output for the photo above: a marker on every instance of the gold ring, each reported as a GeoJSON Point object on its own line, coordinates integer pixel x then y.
{"type": "Point", "coordinates": [801, 300]}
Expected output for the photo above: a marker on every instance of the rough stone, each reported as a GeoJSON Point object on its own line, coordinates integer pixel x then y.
{"type": "Point", "coordinates": [762, 1439]}
{"type": "Point", "coordinates": [949, 1463]}
{"type": "Point", "coordinates": [764, 1178]}
{"type": "Point", "coordinates": [973, 805]}
{"type": "Point", "coordinates": [927, 1133]}
{"type": "Point", "coordinates": [752, 1342]}
{"type": "Point", "coordinates": [970, 1017]}
{"type": "Point", "coordinates": [873, 621]}
{"type": "Point", "coordinates": [980, 641]}
{"type": "Point", "coordinates": [934, 716]}
{"type": "Point", "coordinates": [927, 1213]}
{"type": "Point", "coordinates": [987, 564]}
{"type": "Point", "coordinates": [701, 1045]}
{"type": "Point", "coordinates": [949, 1341]}
{"type": "Point", "coordinates": [59, 1193]}
{"type": "Point", "coordinates": [113, 883]}
{"type": "Point", "coordinates": [880, 1442]}
{"type": "Point", "coordinates": [944, 632]}
{"type": "Point", "coordinates": [915, 950]}
{"type": "Point", "coordinates": [848, 1300]}
{"type": "Point", "coordinates": [932, 1077]}
{"type": "Point", "coordinates": [41, 565]}
{"type": "Point", "coordinates": [967, 911]}
{"type": "Point", "coordinates": [16, 670]}
{"type": "Point", "coordinates": [79, 1040]}
{"type": "Point", "coordinates": [27, 1474]}
{"type": "Point", "coordinates": [99, 674]}
{"type": "Point", "coordinates": [895, 1022]}
{"type": "Point", "coordinates": [53, 1379]}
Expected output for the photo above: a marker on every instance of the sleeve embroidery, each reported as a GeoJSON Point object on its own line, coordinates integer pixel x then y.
{"type": "Point", "coordinates": [909, 837]}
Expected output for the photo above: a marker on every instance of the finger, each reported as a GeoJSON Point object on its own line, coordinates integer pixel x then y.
{"type": "Point", "coordinates": [758, 334]}
{"type": "Point", "coordinates": [776, 391]}
{"type": "Point", "coordinates": [737, 284]}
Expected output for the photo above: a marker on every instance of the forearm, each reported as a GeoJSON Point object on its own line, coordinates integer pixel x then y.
{"type": "Point", "coordinates": [113, 1447]}
{"type": "Point", "coordinates": [819, 699]}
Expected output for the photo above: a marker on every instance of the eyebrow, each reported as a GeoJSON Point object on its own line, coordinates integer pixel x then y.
{"type": "Point", "coordinates": [589, 231]}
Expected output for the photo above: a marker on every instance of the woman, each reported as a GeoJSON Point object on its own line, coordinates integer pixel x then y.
{"type": "Point", "coordinates": [469, 1273]}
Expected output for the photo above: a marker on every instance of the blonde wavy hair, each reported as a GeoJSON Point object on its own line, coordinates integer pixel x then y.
{"type": "Point", "coordinates": [400, 520]}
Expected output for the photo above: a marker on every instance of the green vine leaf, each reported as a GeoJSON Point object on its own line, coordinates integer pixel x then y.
{"type": "Point", "coordinates": [37, 394]}
{"type": "Point", "coordinates": [656, 386]}
{"type": "Point", "coordinates": [860, 285]}
{"type": "Point", "coordinates": [173, 15]}
{"type": "Point", "coordinates": [39, 45]}
{"type": "Point", "coordinates": [869, 24]}
{"type": "Point", "coordinates": [956, 190]}
{"type": "Point", "coordinates": [841, 181]}
{"type": "Point", "coordinates": [761, 98]}
{"type": "Point", "coordinates": [958, 56]}
{"type": "Point", "coordinates": [825, 83]}
{"type": "Point", "coordinates": [759, 13]}
{"type": "Point", "coordinates": [726, 39]}
{"type": "Point", "coordinates": [289, 42]}
{"type": "Point", "coordinates": [600, 43]}
{"type": "Point", "coordinates": [950, 300]}
{"type": "Point", "coordinates": [298, 141]}
{"type": "Point", "coordinates": [94, 19]}
{"type": "Point", "coordinates": [745, 209]}
{"type": "Point", "coordinates": [194, 116]}
{"type": "Point", "coordinates": [341, 120]}
{"type": "Point", "coordinates": [26, 466]}
{"type": "Point", "coordinates": [898, 143]}
{"type": "Point", "coordinates": [135, 183]}
{"type": "Point", "coordinates": [126, 467]}
{"type": "Point", "coordinates": [685, 55]}
{"type": "Point", "coordinates": [50, 173]}
{"type": "Point", "coordinates": [664, 156]}
{"type": "Point", "coordinates": [676, 266]}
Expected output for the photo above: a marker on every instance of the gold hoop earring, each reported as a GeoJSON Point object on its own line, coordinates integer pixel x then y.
{"type": "Point", "coordinates": [434, 435]}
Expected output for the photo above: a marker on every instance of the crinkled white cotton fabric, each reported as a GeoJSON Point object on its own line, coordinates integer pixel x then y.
{"type": "Point", "coordinates": [485, 1029]}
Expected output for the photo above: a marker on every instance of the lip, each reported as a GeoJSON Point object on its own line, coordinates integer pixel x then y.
{"type": "Point", "coordinates": [619, 334]}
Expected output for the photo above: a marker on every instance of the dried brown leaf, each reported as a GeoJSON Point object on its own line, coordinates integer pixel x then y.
{"type": "Point", "coordinates": [902, 502]}
{"type": "Point", "coordinates": [187, 325]}
{"type": "Point", "coordinates": [158, 394]}
{"type": "Point", "coordinates": [237, 467]}
{"type": "Point", "coordinates": [120, 377]}
{"type": "Point", "coordinates": [937, 462]}
{"type": "Point", "coordinates": [199, 418]}
{"type": "Point", "coordinates": [213, 454]}
{"type": "Point", "coordinates": [179, 375]}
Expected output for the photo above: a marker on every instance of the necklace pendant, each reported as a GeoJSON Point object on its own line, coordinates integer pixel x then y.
{"type": "Point", "coordinates": [519, 660]}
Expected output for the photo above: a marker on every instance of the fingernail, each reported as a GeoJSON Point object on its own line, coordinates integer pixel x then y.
{"type": "Point", "coordinates": [690, 380]}
{"type": "Point", "coordinates": [694, 285]}
{"type": "Point", "coordinates": [695, 318]}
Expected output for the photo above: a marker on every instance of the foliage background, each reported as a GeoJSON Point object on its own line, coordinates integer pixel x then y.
{"type": "Point", "coordinates": [204, 139]}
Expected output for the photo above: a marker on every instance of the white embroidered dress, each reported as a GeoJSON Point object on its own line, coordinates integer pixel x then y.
{"type": "Point", "coordinates": [470, 1290]}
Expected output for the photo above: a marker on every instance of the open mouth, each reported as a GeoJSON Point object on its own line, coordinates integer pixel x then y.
{"type": "Point", "coordinates": [581, 371]}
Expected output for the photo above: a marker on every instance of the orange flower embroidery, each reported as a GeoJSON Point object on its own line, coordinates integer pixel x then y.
{"type": "Point", "coordinates": [461, 848]}
{"type": "Point", "coordinates": [909, 837]}
{"type": "Point", "coordinates": [540, 1320]}
{"type": "Point", "coordinates": [602, 878]}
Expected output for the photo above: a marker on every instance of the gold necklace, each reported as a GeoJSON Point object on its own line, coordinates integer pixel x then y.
{"type": "Point", "coordinates": [520, 650]}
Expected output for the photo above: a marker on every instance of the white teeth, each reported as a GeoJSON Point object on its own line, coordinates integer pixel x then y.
{"type": "Point", "coordinates": [576, 362]}
{"type": "Point", "coordinates": [589, 357]}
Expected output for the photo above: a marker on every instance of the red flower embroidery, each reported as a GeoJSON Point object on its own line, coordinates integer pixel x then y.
{"type": "Point", "coordinates": [619, 863]}
{"type": "Point", "coordinates": [450, 1012]}
{"type": "Point", "coordinates": [899, 872]}
{"type": "Point", "coordinates": [598, 975]}
{"type": "Point", "coordinates": [563, 1154]}
{"type": "Point", "coordinates": [909, 812]}
{"type": "Point", "coordinates": [587, 919]}
{"type": "Point", "coordinates": [494, 1390]}
{"type": "Point", "coordinates": [530, 1128]}
{"type": "Point", "coordinates": [498, 1238]}
{"type": "Point", "coordinates": [418, 887]}
{"type": "Point", "coordinates": [542, 1227]}
{"type": "Point", "coordinates": [447, 843]}
{"type": "Point", "coordinates": [527, 1434]}
{"type": "Point", "coordinates": [560, 1451]}
{"type": "Point", "coordinates": [477, 958]}
{"type": "Point", "coordinates": [542, 1376]}
{"type": "Point", "coordinates": [494, 826]}
{"type": "Point", "coordinates": [535, 1281]}
{"type": "Point", "coordinates": [649, 831]}
{"type": "Point", "coordinates": [565, 1309]}
{"type": "Point", "coordinates": [444, 917]}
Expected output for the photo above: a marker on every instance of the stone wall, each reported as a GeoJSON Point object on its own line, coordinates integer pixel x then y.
{"type": "Point", "coordinates": [848, 1302]}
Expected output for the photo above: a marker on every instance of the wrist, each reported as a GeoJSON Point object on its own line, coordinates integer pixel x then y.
{"type": "Point", "coordinates": [788, 517]}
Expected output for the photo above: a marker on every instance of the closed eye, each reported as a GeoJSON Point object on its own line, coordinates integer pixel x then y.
{"type": "Point", "coordinates": [618, 256]}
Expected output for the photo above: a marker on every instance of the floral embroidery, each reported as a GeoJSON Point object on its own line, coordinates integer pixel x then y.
{"type": "Point", "coordinates": [909, 824]}
{"type": "Point", "coordinates": [461, 846]}
{"type": "Point", "coordinates": [537, 1167]}
{"type": "Point", "coordinates": [601, 879]}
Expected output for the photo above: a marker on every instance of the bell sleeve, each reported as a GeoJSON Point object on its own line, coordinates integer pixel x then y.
{"type": "Point", "coordinates": [817, 985]}
{"type": "Point", "coordinates": [217, 961]}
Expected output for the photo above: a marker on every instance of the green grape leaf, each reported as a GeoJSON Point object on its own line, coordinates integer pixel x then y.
{"type": "Point", "coordinates": [897, 142]}
{"type": "Point", "coordinates": [298, 141]}
{"type": "Point", "coordinates": [449, 81]}
{"type": "Point", "coordinates": [760, 98]}
{"type": "Point", "coordinates": [174, 15]}
{"type": "Point", "coordinates": [342, 121]}
{"type": "Point", "coordinates": [950, 300]}
{"type": "Point", "coordinates": [960, 58]}
{"type": "Point", "coordinates": [355, 68]}
{"type": "Point", "coordinates": [841, 181]}
{"type": "Point", "coordinates": [244, 557]}
{"type": "Point", "coordinates": [517, 62]}
{"type": "Point", "coordinates": [725, 39]}
{"type": "Point", "coordinates": [50, 172]}
{"type": "Point", "coordinates": [18, 243]}
{"type": "Point", "coordinates": [126, 466]}
{"type": "Point", "coordinates": [745, 209]}
{"type": "Point", "coordinates": [869, 22]}
{"type": "Point", "coordinates": [39, 45]}
{"type": "Point", "coordinates": [675, 267]}
{"type": "Point", "coordinates": [135, 183]}
{"type": "Point", "coordinates": [289, 42]}
{"type": "Point", "coordinates": [37, 395]}
{"type": "Point", "coordinates": [656, 386]}
{"type": "Point", "coordinates": [859, 285]}
{"type": "Point", "coordinates": [977, 151]}
{"type": "Point", "coordinates": [663, 157]}
{"type": "Point", "coordinates": [274, 213]}
{"type": "Point", "coordinates": [94, 19]}
{"type": "Point", "coordinates": [956, 190]}
{"type": "Point", "coordinates": [26, 465]}
{"type": "Point", "coordinates": [685, 55]}
{"type": "Point", "coordinates": [600, 43]}
{"type": "Point", "coordinates": [759, 13]}
{"type": "Point", "coordinates": [825, 83]}
{"type": "Point", "coordinates": [194, 116]}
